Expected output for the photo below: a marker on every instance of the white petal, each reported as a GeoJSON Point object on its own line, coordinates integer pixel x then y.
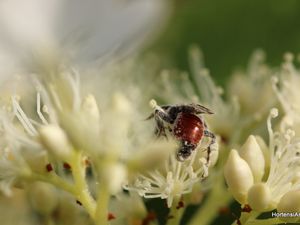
{"type": "Point", "coordinates": [259, 197]}
{"type": "Point", "coordinates": [238, 176]}
{"type": "Point", "coordinates": [252, 153]}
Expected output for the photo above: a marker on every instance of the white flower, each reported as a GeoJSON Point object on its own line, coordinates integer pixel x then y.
{"type": "Point", "coordinates": [56, 141]}
{"type": "Point", "coordinates": [171, 181]}
{"type": "Point", "coordinates": [135, 214]}
{"type": "Point", "coordinates": [260, 197]}
{"type": "Point", "coordinates": [253, 155]}
{"type": "Point", "coordinates": [284, 162]}
{"type": "Point", "coordinates": [280, 178]}
{"type": "Point", "coordinates": [238, 176]}
{"type": "Point", "coordinates": [115, 138]}
{"type": "Point", "coordinates": [41, 193]}
{"type": "Point", "coordinates": [287, 90]}
{"type": "Point", "coordinates": [12, 163]}
{"type": "Point", "coordinates": [253, 88]}
{"type": "Point", "coordinates": [8, 175]}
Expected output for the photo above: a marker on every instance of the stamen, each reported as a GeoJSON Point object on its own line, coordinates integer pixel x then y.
{"type": "Point", "coordinates": [74, 83]}
{"type": "Point", "coordinates": [23, 118]}
{"type": "Point", "coordinates": [55, 97]}
{"type": "Point", "coordinates": [38, 109]}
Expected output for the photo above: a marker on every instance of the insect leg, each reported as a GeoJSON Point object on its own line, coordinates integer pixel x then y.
{"type": "Point", "coordinates": [163, 115]}
{"type": "Point", "coordinates": [212, 136]}
{"type": "Point", "coordinates": [160, 116]}
{"type": "Point", "coordinates": [160, 128]}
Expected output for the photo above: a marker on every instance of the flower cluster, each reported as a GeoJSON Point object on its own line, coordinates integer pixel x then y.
{"type": "Point", "coordinates": [175, 178]}
{"type": "Point", "coordinates": [70, 132]}
{"type": "Point", "coordinates": [286, 88]}
{"type": "Point", "coordinates": [83, 144]}
{"type": "Point", "coordinates": [73, 129]}
{"type": "Point", "coordinates": [264, 177]}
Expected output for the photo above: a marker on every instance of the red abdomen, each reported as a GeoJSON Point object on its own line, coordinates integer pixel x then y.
{"type": "Point", "coordinates": [188, 127]}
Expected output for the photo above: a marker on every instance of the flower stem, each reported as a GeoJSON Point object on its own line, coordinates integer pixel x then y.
{"type": "Point", "coordinates": [55, 180]}
{"type": "Point", "coordinates": [175, 213]}
{"type": "Point", "coordinates": [217, 198]}
{"type": "Point", "coordinates": [82, 192]}
{"type": "Point", "coordinates": [102, 205]}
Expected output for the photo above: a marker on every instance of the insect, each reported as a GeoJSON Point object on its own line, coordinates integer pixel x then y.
{"type": "Point", "coordinates": [186, 124]}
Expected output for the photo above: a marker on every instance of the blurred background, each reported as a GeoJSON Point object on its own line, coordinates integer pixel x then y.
{"type": "Point", "coordinates": [229, 31]}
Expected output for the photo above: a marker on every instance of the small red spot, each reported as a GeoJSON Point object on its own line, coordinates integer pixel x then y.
{"type": "Point", "coordinates": [110, 216]}
{"type": "Point", "coordinates": [180, 205]}
{"type": "Point", "coordinates": [78, 202]}
{"type": "Point", "coordinates": [49, 167]}
{"type": "Point", "coordinates": [247, 209]}
{"type": "Point", "coordinates": [224, 139]}
{"type": "Point", "coordinates": [67, 166]}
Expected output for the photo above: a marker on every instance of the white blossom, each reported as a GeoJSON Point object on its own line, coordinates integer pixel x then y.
{"type": "Point", "coordinates": [280, 177]}
{"type": "Point", "coordinates": [286, 87]}
{"type": "Point", "coordinates": [284, 161]}
{"type": "Point", "coordinates": [252, 87]}
{"type": "Point", "coordinates": [171, 181]}
{"type": "Point", "coordinates": [238, 176]}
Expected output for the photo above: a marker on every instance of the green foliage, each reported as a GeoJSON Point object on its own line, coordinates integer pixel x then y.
{"type": "Point", "coordinates": [228, 32]}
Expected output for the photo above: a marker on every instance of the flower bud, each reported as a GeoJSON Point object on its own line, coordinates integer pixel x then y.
{"type": "Point", "coordinates": [90, 108]}
{"type": "Point", "coordinates": [117, 124]}
{"type": "Point", "coordinates": [37, 162]}
{"type": "Point", "coordinates": [289, 203]}
{"type": "Point", "coordinates": [121, 104]}
{"type": "Point", "coordinates": [253, 155]}
{"type": "Point", "coordinates": [43, 197]}
{"type": "Point", "coordinates": [114, 175]}
{"type": "Point", "coordinates": [238, 176]}
{"type": "Point", "coordinates": [259, 197]}
{"type": "Point", "coordinates": [56, 141]}
{"type": "Point", "coordinates": [266, 152]}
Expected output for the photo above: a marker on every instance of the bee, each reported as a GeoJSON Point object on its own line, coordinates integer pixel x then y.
{"type": "Point", "coordinates": [186, 124]}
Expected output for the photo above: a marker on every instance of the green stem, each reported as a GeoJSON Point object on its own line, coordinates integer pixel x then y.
{"type": "Point", "coordinates": [175, 213]}
{"type": "Point", "coordinates": [102, 205]}
{"type": "Point", "coordinates": [82, 192]}
{"type": "Point", "coordinates": [217, 198]}
{"type": "Point", "coordinates": [79, 189]}
{"type": "Point", "coordinates": [55, 180]}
